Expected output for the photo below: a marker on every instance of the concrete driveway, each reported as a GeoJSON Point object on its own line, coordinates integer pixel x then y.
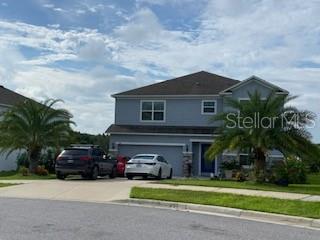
{"type": "Point", "coordinates": [101, 190]}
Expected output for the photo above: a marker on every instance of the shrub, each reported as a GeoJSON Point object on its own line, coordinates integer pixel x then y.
{"type": "Point", "coordinates": [230, 165]}
{"type": "Point", "coordinates": [22, 161]}
{"type": "Point", "coordinates": [41, 171]}
{"type": "Point", "coordinates": [240, 176]}
{"type": "Point", "coordinates": [47, 159]}
{"type": "Point", "coordinates": [292, 169]}
{"type": "Point", "coordinates": [24, 171]}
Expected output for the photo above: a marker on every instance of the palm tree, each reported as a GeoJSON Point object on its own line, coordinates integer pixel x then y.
{"type": "Point", "coordinates": [261, 125]}
{"type": "Point", "coordinates": [32, 126]}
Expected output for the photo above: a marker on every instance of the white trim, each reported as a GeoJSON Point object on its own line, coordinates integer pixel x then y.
{"type": "Point", "coordinates": [201, 140]}
{"type": "Point", "coordinates": [276, 156]}
{"type": "Point", "coordinates": [152, 144]}
{"type": "Point", "coordinates": [152, 111]}
{"type": "Point", "coordinates": [257, 79]}
{"type": "Point", "coordinates": [5, 105]}
{"type": "Point", "coordinates": [208, 113]}
{"type": "Point", "coordinates": [216, 172]}
{"type": "Point", "coordinates": [199, 164]}
{"type": "Point", "coordinates": [247, 98]}
{"type": "Point", "coordinates": [167, 96]}
{"type": "Point", "coordinates": [163, 134]}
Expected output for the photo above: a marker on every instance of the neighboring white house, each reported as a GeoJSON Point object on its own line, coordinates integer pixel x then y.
{"type": "Point", "coordinates": [7, 99]}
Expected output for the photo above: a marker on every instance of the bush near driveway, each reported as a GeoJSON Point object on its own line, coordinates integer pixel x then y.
{"type": "Point", "coordinates": [264, 204]}
{"type": "Point", "coordinates": [292, 170]}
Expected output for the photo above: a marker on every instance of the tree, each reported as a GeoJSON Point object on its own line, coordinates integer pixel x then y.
{"type": "Point", "coordinates": [261, 125]}
{"type": "Point", "coordinates": [84, 138]}
{"type": "Point", "coordinates": [32, 126]}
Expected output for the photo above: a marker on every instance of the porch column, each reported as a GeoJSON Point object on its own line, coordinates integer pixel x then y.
{"type": "Point", "coordinates": [187, 164]}
{"type": "Point", "coordinates": [113, 151]}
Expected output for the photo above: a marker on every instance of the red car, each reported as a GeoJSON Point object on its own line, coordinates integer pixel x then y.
{"type": "Point", "coordinates": [121, 164]}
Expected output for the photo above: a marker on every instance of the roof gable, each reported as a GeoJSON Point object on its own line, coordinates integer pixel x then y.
{"type": "Point", "coordinates": [199, 83]}
{"type": "Point", "coordinates": [259, 81]}
{"type": "Point", "coordinates": [8, 97]}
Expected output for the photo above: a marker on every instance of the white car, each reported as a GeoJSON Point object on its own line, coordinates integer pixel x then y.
{"type": "Point", "coordinates": [148, 165]}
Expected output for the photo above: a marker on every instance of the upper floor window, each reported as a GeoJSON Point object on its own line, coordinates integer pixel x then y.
{"type": "Point", "coordinates": [152, 110]}
{"type": "Point", "coordinates": [209, 107]}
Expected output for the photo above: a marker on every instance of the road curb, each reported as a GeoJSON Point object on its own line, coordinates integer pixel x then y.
{"type": "Point", "coordinates": [233, 212]}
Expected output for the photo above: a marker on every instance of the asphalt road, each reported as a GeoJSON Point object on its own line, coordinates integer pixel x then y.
{"type": "Point", "coordinates": [46, 219]}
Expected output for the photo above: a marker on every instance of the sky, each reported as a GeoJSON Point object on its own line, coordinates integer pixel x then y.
{"type": "Point", "coordinates": [84, 51]}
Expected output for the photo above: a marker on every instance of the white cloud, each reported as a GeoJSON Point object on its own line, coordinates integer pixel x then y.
{"type": "Point", "coordinates": [54, 25]}
{"type": "Point", "coordinates": [56, 44]}
{"type": "Point", "coordinates": [48, 5]}
{"type": "Point", "coordinates": [142, 26]}
{"type": "Point", "coordinates": [233, 38]}
{"type": "Point", "coordinates": [85, 94]}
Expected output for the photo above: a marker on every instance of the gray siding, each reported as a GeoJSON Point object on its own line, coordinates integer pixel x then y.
{"type": "Point", "coordinates": [179, 112]}
{"type": "Point", "coordinates": [242, 92]}
{"type": "Point", "coordinates": [115, 138]}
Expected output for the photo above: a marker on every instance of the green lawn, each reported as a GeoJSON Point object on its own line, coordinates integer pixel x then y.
{"type": "Point", "coordinates": [13, 175]}
{"type": "Point", "coordinates": [314, 178]}
{"type": "Point", "coordinates": [263, 204]}
{"type": "Point", "coordinates": [294, 188]}
{"type": "Point", "coordinates": [6, 184]}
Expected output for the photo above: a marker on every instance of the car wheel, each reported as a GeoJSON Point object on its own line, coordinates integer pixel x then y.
{"type": "Point", "coordinates": [60, 176]}
{"type": "Point", "coordinates": [145, 177]}
{"type": "Point", "coordinates": [94, 173]}
{"type": "Point", "coordinates": [159, 177]}
{"type": "Point", "coordinates": [170, 176]}
{"type": "Point", "coordinates": [130, 177]}
{"type": "Point", "coordinates": [113, 173]}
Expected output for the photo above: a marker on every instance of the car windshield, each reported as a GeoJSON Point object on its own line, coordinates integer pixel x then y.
{"type": "Point", "coordinates": [143, 157]}
{"type": "Point", "coordinates": [75, 152]}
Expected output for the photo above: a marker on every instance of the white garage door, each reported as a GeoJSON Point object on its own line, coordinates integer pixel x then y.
{"type": "Point", "coordinates": [172, 154]}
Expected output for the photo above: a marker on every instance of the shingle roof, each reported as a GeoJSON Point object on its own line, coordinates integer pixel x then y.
{"type": "Point", "coordinates": [8, 97]}
{"type": "Point", "coordinates": [160, 129]}
{"type": "Point", "coordinates": [199, 83]}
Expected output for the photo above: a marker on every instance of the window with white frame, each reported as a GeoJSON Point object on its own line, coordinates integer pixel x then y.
{"type": "Point", "coordinates": [209, 107]}
{"type": "Point", "coordinates": [152, 110]}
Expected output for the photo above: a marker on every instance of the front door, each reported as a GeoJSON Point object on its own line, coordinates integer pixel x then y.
{"type": "Point", "coordinates": [207, 166]}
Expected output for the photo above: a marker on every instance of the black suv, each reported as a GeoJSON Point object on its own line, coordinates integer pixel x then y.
{"type": "Point", "coordinates": [89, 161]}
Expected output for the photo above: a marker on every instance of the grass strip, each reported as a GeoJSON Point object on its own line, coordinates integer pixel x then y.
{"type": "Point", "coordinates": [263, 204]}
{"type": "Point", "coordinates": [313, 189]}
{"type": "Point", "coordinates": [6, 184]}
{"type": "Point", "coordinates": [14, 175]}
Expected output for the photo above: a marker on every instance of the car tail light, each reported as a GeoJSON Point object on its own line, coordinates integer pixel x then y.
{"type": "Point", "coordinates": [85, 158]}
{"type": "Point", "coordinates": [59, 158]}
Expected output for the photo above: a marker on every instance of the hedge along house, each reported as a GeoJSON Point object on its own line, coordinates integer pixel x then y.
{"type": "Point", "coordinates": [7, 99]}
{"type": "Point", "coordinates": [172, 118]}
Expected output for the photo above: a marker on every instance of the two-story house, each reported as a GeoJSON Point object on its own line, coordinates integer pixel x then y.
{"type": "Point", "coordinates": [172, 118]}
{"type": "Point", "coordinates": [7, 99]}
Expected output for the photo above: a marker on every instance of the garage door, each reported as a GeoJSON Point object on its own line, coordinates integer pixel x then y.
{"type": "Point", "coordinates": [172, 154]}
